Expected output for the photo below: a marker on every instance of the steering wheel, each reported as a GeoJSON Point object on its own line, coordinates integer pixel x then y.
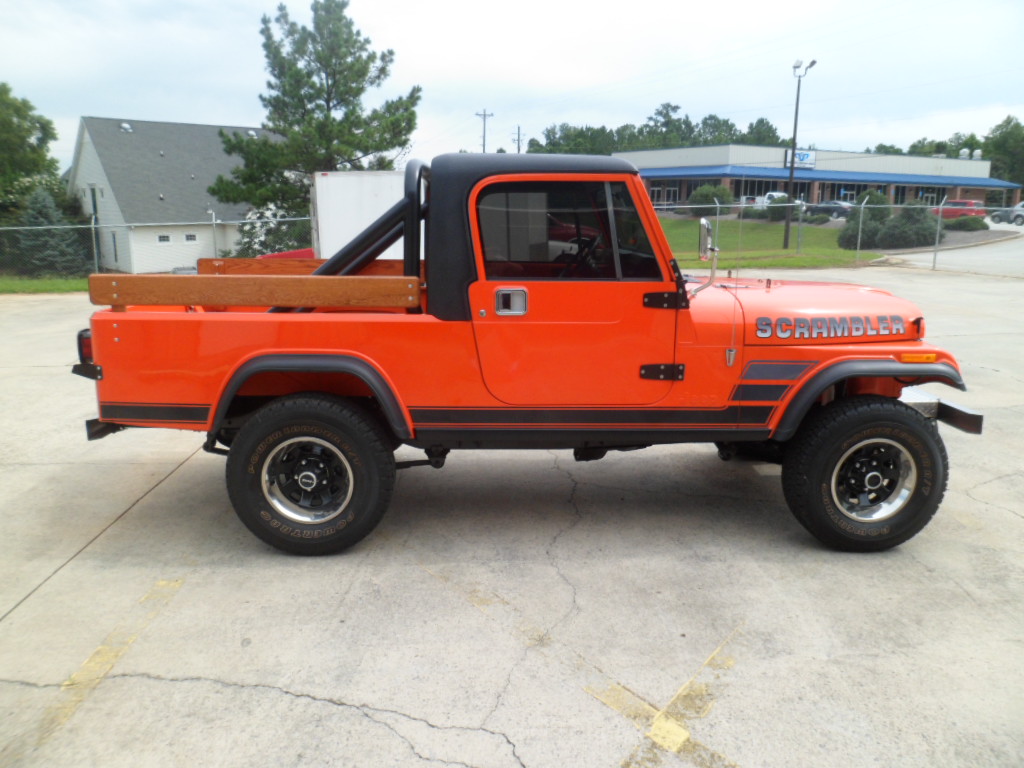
{"type": "Point", "coordinates": [583, 259]}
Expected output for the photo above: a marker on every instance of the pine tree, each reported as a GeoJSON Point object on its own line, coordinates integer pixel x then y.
{"type": "Point", "coordinates": [46, 247]}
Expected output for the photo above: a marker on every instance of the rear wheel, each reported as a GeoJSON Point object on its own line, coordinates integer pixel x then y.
{"type": "Point", "coordinates": [310, 474]}
{"type": "Point", "coordinates": [865, 474]}
{"type": "Point", "coordinates": [1018, 220]}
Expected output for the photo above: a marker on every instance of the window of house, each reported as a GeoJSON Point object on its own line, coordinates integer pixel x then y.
{"type": "Point", "coordinates": [191, 238]}
{"type": "Point", "coordinates": [564, 230]}
{"type": "Point", "coordinates": [163, 238]}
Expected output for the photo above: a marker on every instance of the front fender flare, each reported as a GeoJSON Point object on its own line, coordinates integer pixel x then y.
{"type": "Point", "coordinates": [390, 406]}
{"type": "Point", "coordinates": [813, 388]}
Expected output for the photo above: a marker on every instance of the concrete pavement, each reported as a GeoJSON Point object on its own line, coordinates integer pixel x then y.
{"type": "Point", "coordinates": [655, 608]}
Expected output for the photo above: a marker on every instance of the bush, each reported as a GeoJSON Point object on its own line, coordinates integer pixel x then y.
{"type": "Point", "coordinates": [914, 227]}
{"type": "Point", "coordinates": [868, 235]}
{"type": "Point", "coordinates": [818, 218]}
{"type": "Point", "coordinates": [704, 197]}
{"type": "Point", "coordinates": [777, 208]}
{"type": "Point", "coordinates": [966, 224]}
{"type": "Point", "coordinates": [750, 212]}
{"type": "Point", "coordinates": [876, 208]}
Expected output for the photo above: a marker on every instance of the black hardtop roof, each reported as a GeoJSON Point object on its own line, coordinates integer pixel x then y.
{"type": "Point", "coordinates": [466, 170]}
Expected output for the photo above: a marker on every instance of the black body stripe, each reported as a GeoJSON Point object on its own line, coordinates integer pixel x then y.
{"type": "Point", "coordinates": [166, 412]}
{"type": "Point", "coordinates": [763, 392]}
{"type": "Point", "coordinates": [763, 370]}
{"type": "Point", "coordinates": [519, 417]}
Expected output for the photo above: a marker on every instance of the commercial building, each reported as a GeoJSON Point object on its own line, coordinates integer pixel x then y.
{"type": "Point", "coordinates": [751, 171]}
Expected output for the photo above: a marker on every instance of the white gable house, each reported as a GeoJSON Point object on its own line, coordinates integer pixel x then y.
{"type": "Point", "coordinates": [146, 185]}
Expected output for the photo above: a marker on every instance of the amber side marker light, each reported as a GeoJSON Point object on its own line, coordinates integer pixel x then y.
{"type": "Point", "coordinates": [918, 357]}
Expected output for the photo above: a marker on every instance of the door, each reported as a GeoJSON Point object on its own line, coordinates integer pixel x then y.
{"type": "Point", "coordinates": [570, 307]}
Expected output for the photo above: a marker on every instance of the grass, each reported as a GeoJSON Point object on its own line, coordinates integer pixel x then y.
{"type": "Point", "coordinates": [756, 244]}
{"type": "Point", "coordinates": [11, 284]}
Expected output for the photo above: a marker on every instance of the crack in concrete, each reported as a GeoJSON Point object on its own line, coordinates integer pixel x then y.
{"type": "Point", "coordinates": [970, 492]}
{"type": "Point", "coordinates": [500, 698]}
{"type": "Point", "coordinates": [375, 714]}
{"type": "Point", "coordinates": [574, 607]}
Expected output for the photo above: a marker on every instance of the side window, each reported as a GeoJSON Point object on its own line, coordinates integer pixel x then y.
{"type": "Point", "coordinates": [636, 255]}
{"type": "Point", "coordinates": [563, 231]}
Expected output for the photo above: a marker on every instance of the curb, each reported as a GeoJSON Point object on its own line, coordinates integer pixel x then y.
{"type": "Point", "coordinates": [931, 248]}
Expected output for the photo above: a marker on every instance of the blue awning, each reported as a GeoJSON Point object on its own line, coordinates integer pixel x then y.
{"type": "Point", "coordinates": [803, 174]}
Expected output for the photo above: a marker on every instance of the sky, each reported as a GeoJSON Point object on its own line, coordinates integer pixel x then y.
{"type": "Point", "coordinates": [887, 72]}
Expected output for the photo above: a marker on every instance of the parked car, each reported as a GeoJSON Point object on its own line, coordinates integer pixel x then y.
{"type": "Point", "coordinates": [957, 209]}
{"type": "Point", "coordinates": [834, 208]}
{"type": "Point", "coordinates": [1015, 214]}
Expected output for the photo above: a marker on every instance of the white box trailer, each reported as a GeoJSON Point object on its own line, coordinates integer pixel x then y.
{"type": "Point", "coordinates": [344, 203]}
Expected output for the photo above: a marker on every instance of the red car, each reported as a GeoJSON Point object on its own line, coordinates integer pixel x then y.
{"type": "Point", "coordinates": [956, 209]}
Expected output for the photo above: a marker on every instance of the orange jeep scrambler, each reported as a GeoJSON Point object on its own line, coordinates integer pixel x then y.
{"type": "Point", "coordinates": [505, 331]}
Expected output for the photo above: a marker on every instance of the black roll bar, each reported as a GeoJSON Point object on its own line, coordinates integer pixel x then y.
{"type": "Point", "coordinates": [416, 172]}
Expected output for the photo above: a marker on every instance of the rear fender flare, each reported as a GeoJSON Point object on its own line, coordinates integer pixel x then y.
{"type": "Point", "coordinates": [813, 388]}
{"type": "Point", "coordinates": [390, 405]}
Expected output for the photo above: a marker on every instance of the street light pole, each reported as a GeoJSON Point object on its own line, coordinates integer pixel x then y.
{"type": "Point", "coordinates": [792, 151]}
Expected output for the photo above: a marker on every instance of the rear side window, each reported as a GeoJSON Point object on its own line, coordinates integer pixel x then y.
{"type": "Point", "coordinates": [564, 231]}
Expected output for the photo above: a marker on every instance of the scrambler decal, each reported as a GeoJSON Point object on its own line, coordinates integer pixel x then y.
{"type": "Point", "coordinates": [829, 327]}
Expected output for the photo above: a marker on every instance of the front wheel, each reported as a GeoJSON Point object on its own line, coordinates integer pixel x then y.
{"type": "Point", "coordinates": [865, 474]}
{"type": "Point", "coordinates": [310, 475]}
{"type": "Point", "coordinates": [1018, 220]}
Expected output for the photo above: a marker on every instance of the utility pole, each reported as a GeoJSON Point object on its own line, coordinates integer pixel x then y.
{"type": "Point", "coordinates": [519, 140]}
{"type": "Point", "coordinates": [791, 201]}
{"type": "Point", "coordinates": [485, 114]}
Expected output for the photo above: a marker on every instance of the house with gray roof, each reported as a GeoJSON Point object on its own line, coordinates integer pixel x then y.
{"type": "Point", "coordinates": [145, 183]}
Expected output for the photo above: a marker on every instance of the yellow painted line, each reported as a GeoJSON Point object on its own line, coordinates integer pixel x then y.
{"type": "Point", "coordinates": [626, 703]}
{"type": "Point", "coordinates": [667, 728]}
{"type": "Point", "coordinates": [76, 689]}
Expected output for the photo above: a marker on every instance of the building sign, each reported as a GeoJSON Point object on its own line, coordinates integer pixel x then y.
{"type": "Point", "coordinates": [804, 158]}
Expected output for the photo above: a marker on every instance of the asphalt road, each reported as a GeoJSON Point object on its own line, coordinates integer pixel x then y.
{"type": "Point", "coordinates": [999, 259]}
{"type": "Point", "coordinates": [656, 608]}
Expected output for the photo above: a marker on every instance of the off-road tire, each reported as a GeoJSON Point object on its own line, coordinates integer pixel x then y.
{"type": "Point", "coordinates": [310, 474]}
{"type": "Point", "coordinates": [865, 474]}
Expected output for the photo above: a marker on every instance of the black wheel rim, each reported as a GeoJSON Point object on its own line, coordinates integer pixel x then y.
{"type": "Point", "coordinates": [307, 480]}
{"type": "Point", "coordinates": [874, 480]}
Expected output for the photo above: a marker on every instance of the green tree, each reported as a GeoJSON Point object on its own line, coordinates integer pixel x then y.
{"type": "Point", "coordinates": [315, 113]}
{"type": "Point", "coordinates": [46, 246]}
{"type": "Point", "coordinates": [1004, 145]}
{"type": "Point", "coordinates": [25, 137]}
{"type": "Point", "coordinates": [885, 149]}
{"type": "Point", "coordinates": [959, 141]}
{"type": "Point", "coordinates": [568, 139]}
{"type": "Point", "coordinates": [664, 129]}
{"type": "Point", "coordinates": [762, 133]}
{"type": "Point", "coordinates": [926, 147]}
{"type": "Point", "coordinates": [716, 130]}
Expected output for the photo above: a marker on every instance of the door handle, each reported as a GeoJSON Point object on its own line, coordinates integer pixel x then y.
{"type": "Point", "coordinates": [510, 301]}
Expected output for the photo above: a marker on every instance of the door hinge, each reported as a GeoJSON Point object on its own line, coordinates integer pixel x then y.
{"type": "Point", "coordinates": [667, 372]}
{"type": "Point", "coordinates": [668, 300]}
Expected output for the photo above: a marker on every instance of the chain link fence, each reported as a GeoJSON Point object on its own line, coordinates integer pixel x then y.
{"type": "Point", "coordinates": [75, 251]}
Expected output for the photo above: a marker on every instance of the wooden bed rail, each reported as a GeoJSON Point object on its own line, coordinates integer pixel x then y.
{"type": "Point", "coordinates": [120, 291]}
